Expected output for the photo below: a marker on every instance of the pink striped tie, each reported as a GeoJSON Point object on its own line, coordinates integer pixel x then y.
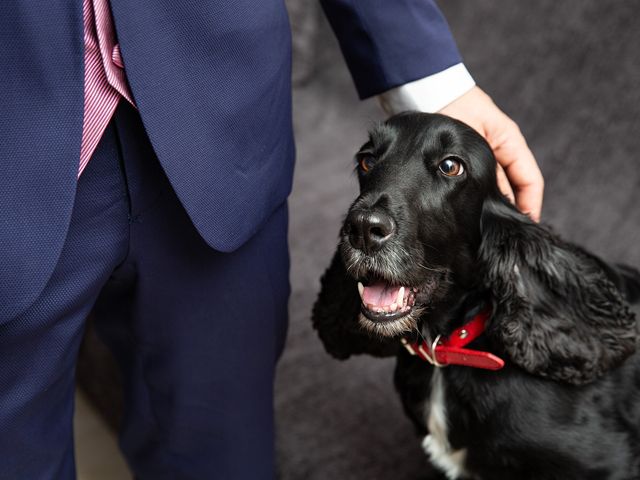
{"type": "Point", "coordinates": [104, 79]}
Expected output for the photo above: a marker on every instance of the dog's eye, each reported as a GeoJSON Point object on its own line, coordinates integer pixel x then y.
{"type": "Point", "coordinates": [451, 167]}
{"type": "Point", "coordinates": [366, 162]}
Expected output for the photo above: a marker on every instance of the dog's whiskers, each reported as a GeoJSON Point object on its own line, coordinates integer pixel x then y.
{"type": "Point", "coordinates": [420, 334]}
{"type": "Point", "coordinates": [431, 269]}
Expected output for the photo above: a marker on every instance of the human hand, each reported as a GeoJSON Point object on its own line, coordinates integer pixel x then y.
{"type": "Point", "coordinates": [518, 172]}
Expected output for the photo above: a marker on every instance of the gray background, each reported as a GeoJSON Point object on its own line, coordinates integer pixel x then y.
{"type": "Point", "coordinates": [569, 73]}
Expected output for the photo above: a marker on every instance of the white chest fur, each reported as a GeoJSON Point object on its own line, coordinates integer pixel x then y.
{"type": "Point", "coordinates": [436, 444]}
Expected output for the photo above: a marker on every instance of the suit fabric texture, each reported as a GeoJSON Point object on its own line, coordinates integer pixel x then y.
{"type": "Point", "coordinates": [197, 332]}
{"type": "Point", "coordinates": [211, 80]}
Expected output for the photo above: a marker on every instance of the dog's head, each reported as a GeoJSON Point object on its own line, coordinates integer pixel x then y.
{"type": "Point", "coordinates": [430, 231]}
{"type": "Point", "coordinates": [412, 236]}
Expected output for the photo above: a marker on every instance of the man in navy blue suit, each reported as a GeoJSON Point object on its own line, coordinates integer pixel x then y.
{"type": "Point", "coordinates": [160, 204]}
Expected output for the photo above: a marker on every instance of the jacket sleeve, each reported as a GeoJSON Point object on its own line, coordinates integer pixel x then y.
{"type": "Point", "coordinates": [387, 43]}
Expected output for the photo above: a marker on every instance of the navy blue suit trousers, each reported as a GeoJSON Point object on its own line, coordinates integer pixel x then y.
{"type": "Point", "coordinates": [196, 332]}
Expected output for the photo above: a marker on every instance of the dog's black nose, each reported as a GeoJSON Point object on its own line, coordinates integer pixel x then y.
{"type": "Point", "coordinates": [369, 230]}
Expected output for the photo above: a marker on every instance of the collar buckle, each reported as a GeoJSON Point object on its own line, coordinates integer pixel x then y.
{"type": "Point", "coordinates": [420, 350]}
{"type": "Point", "coordinates": [451, 351]}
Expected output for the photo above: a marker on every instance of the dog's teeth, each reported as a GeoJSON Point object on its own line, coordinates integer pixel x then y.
{"type": "Point", "coordinates": [394, 307]}
{"type": "Point", "coordinates": [360, 289]}
{"type": "Point", "coordinates": [400, 300]}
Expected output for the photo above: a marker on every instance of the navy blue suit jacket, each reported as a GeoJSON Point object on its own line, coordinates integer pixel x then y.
{"type": "Point", "coordinates": [211, 80]}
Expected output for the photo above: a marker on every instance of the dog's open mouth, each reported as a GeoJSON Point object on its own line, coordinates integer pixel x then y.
{"type": "Point", "coordinates": [383, 302]}
{"type": "Point", "coordinates": [394, 293]}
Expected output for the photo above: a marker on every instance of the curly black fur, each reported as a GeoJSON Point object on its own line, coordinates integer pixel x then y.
{"type": "Point", "coordinates": [567, 404]}
{"type": "Point", "coordinates": [557, 314]}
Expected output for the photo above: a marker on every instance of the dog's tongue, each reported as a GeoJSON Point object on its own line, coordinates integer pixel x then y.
{"type": "Point", "coordinates": [380, 294]}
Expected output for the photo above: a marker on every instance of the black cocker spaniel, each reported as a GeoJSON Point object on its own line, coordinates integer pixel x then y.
{"type": "Point", "coordinates": [516, 351]}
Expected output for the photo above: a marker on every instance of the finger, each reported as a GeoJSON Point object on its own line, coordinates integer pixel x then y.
{"type": "Point", "coordinates": [529, 200]}
{"type": "Point", "coordinates": [503, 184]}
{"type": "Point", "coordinates": [523, 174]}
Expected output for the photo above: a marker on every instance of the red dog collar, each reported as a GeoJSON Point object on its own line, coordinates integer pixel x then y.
{"type": "Point", "coordinates": [450, 351]}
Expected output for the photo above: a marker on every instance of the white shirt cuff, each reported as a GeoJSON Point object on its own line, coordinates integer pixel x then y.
{"type": "Point", "coordinates": [429, 94]}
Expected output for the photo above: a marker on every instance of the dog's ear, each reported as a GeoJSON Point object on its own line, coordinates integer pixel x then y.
{"type": "Point", "coordinates": [335, 317]}
{"type": "Point", "coordinates": [556, 313]}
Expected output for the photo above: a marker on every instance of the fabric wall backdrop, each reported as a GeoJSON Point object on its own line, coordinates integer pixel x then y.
{"type": "Point", "coordinates": [569, 74]}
